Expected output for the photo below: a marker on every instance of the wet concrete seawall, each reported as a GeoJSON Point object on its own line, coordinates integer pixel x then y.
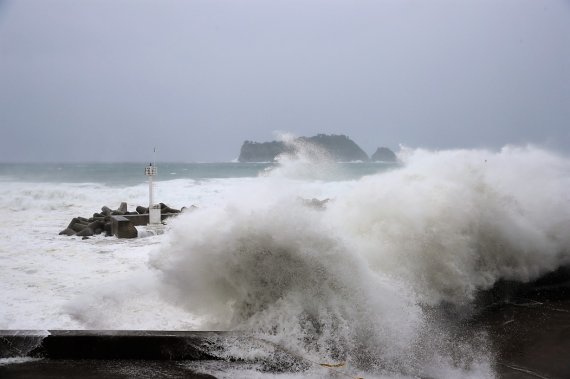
{"type": "Point", "coordinates": [102, 344]}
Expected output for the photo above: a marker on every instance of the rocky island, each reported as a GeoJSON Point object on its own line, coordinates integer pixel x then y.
{"type": "Point", "coordinates": [383, 154]}
{"type": "Point", "coordinates": [339, 147]}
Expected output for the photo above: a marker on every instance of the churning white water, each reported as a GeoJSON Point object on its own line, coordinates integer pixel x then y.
{"type": "Point", "coordinates": [362, 281]}
{"type": "Point", "coordinates": [353, 282]}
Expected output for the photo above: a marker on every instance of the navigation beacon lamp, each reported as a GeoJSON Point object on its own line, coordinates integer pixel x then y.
{"type": "Point", "coordinates": [153, 209]}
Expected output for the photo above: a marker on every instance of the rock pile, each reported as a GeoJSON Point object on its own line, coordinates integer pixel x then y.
{"type": "Point", "coordinates": [101, 222]}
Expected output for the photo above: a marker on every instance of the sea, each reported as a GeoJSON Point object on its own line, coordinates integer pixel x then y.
{"type": "Point", "coordinates": [369, 267]}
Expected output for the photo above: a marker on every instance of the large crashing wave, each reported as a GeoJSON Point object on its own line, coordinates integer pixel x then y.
{"type": "Point", "coordinates": [453, 222]}
{"type": "Point", "coordinates": [354, 282]}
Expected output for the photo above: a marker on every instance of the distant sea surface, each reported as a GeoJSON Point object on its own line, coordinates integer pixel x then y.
{"type": "Point", "coordinates": [120, 174]}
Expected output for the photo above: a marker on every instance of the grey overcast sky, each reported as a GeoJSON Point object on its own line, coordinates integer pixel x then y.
{"type": "Point", "coordinates": [107, 80]}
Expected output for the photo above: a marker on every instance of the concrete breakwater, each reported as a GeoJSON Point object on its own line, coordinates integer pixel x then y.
{"type": "Point", "coordinates": [108, 344]}
{"type": "Point", "coordinates": [104, 354]}
{"type": "Point", "coordinates": [118, 222]}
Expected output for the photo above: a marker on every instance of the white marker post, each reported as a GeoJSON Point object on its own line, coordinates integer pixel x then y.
{"type": "Point", "coordinates": [153, 209]}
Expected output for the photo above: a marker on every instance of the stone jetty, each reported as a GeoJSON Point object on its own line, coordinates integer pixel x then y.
{"type": "Point", "coordinates": [108, 220]}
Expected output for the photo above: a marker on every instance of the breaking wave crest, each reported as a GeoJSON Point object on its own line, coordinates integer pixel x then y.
{"type": "Point", "coordinates": [303, 160]}
{"type": "Point", "coordinates": [361, 280]}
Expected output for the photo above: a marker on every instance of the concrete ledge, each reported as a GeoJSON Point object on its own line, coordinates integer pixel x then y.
{"type": "Point", "coordinates": [124, 226]}
{"type": "Point", "coordinates": [121, 227]}
{"type": "Point", "coordinates": [99, 368]}
{"type": "Point", "coordinates": [102, 344]}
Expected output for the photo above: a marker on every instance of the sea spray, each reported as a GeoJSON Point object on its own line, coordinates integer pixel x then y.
{"type": "Point", "coordinates": [358, 281]}
{"type": "Point", "coordinates": [296, 284]}
{"type": "Point", "coordinates": [367, 281]}
{"type": "Point", "coordinates": [303, 161]}
{"type": "Point", "coordinates": [454, 222]}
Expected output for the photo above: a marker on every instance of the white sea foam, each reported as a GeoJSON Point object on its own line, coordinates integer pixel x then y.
{"type": "Point", "coordinates": [59, 282]}
{"type": "Point", "coordinates": [304, 161]}
{"type": "Point", "coordinates": [46, 277]}
{"type": "Point", "coordinates": [354, 282]}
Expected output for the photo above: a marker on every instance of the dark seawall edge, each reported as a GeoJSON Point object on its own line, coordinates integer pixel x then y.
{"type": "Point", "coordinates": [109, 344]}
{"type": "Point", "coordinates": [529, 339]}
{"type": "Point", "coordinates": [91, 354]}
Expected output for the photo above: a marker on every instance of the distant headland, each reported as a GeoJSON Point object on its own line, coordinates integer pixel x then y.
{"type": "Point", "coordinates": [339, 147]}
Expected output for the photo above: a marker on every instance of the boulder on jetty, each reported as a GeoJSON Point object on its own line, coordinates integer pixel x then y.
{"type": "Point", "coordinates": [85, 233]}
{"type": "Point", "coordinates": [67, 232]}
{"type": "Point", "coordinates": [101, 222]}
{"type": "Point", "coordinates": [166, 209]}
{"type": "Point", "coordinates": [142, 210]}
{"type": "Point", "coordinates": [122, 208]}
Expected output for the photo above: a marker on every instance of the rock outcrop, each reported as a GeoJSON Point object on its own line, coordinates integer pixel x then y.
{"type": "Point", "coordinates": [261, 151]}
{"type": "Point", "coordinates": [339, 147]}
{"type": "Point", "coordinates": [383, 154]}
